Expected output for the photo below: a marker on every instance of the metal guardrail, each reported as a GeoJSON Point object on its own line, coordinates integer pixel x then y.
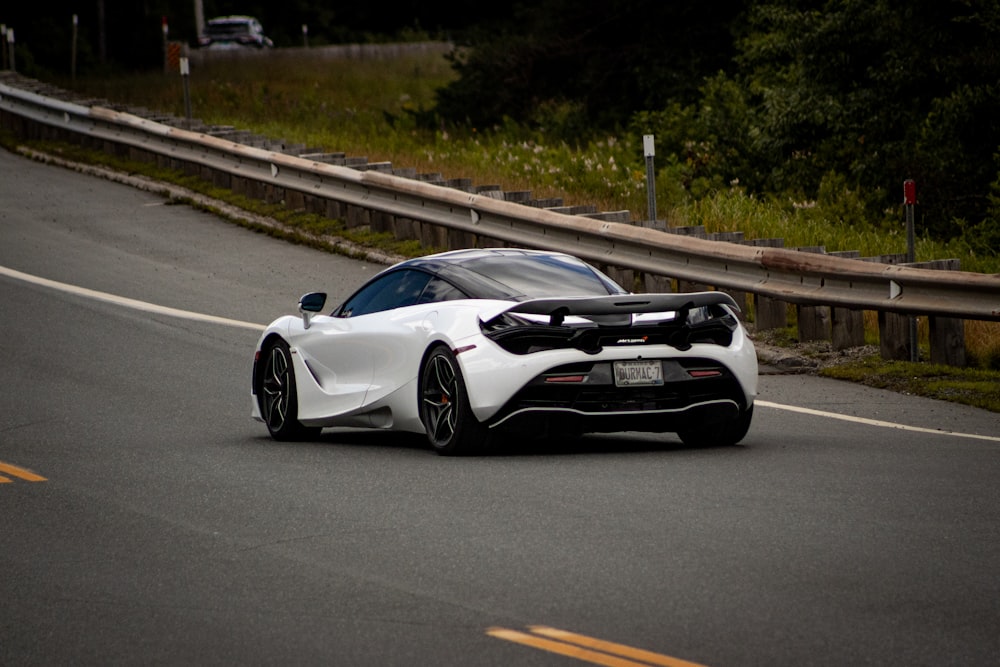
{"type": "Point", "coordinates": [787, 275]}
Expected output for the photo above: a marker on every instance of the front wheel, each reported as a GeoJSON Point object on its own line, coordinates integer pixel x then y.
{"type": "Point", "coordinates": [721, 433]}
{"type": "Point", "coordinates": [277, 396]}
{"type": "Point", "coordinates": [444, 407]}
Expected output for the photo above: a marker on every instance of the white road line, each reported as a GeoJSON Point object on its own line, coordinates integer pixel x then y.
{"type": "Point", "coordinates": [199, 317]}
{"type": "Point", "coordinates": [128, 303]}
{"type": "Point", "coordinates": [873, 422]}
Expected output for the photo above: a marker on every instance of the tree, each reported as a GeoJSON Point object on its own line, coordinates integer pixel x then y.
{"type": "Point", "coordinates": [880, 91]}
{"type": "Point", "coordinates": [604, 61]}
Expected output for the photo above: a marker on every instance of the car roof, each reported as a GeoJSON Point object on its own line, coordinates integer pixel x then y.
{"type": "Point", "coordinates": [231, 19]}
{"type": "Point", "coordinates": [511, 273]}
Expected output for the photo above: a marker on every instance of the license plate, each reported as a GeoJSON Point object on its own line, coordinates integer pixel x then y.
{"type": "Point", "coordinates": [638, 373]}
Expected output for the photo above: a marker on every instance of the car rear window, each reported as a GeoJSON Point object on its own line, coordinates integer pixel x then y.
{"type": "Point", "coordinates": [536, 276]}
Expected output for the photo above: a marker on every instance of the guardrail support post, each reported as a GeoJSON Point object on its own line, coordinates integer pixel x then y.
{"type": "Point", "coordinates": [947, 337]}
{"type": "Point", "coordinates": [813, 322]}
{"type": "Point", "coordinates": [769, 313]}
{"type": "Point", "coordinates": [847, 325]}
{"type": "Point", "coordinates": [946, 334]}
{"type": "Point", "coordinates": [847, 328]}
{"type": "Point", "coordinates": [894, 336]}
{"type": "Point", "coordinates": [655, 284]}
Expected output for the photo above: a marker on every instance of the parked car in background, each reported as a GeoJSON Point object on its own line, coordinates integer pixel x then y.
{"type": "Point", "coordinates": [234, 32]}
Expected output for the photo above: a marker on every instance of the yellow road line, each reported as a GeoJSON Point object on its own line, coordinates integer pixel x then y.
{"type": "Point", "coordinates": [612, 647]}
{"type": "Point", "coordinates": [562, 649]}
{"type": "Point", "coordinates": [19, 472]}
{"type": "Point", "coordinates": [587, 649]}
{"type": "Point", "coordinates": [4, 480]}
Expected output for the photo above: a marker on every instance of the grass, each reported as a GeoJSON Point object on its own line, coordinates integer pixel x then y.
{"type": "Point", "coordinates": [978, 388]}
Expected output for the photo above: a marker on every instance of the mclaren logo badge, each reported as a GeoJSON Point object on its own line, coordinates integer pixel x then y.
{"type": "Point", "coordinates": [632, 341]}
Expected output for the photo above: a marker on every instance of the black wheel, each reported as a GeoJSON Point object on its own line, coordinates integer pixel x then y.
{"type": "Point", "coordinates": [722, 433]}
{"type": "Point", "coordinates": [277, 396]}
{"type": "Point", "coordinates": [444, 407]}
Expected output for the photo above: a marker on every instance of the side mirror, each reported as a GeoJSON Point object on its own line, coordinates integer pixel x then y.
{"type": "Point", "coordinates": [311, 304]}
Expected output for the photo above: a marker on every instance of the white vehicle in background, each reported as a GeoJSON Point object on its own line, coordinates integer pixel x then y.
{"type": "Point", "coordinates": [234, 32]}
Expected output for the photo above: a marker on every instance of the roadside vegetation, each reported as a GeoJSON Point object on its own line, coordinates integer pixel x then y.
{"type": "Point", "coordinates": [978, 388]}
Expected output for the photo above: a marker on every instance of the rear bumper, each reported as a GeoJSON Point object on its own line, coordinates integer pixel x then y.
{"type": "Point", "coordinates": [568, 421]}
{"type": "Point", "coordinates": [694, 391]}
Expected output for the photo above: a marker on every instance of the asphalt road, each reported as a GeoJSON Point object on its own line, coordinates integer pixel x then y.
{"type": "Point", "coordinates": [169, 529]}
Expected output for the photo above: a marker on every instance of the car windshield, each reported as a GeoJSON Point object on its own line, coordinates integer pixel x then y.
{"type": "Point", "coordinates": [227, 29]}
{"type": "Point", "coordinates": [537, 276]}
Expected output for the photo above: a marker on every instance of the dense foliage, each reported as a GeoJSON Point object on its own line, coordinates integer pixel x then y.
{"type": "Point", "coordinates": [835, 100]}
{"type": "Point", "coordinates": [570, 66]}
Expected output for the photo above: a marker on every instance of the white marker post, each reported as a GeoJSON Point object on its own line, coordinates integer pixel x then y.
{"type": "Point", "coordinates": [72, 57]}
{"type": "Point", "coordinates": [649, 150]}
{"type": "Point", "coordinates": [185, 77]}
{"type": "Point", "coordinates": [166, 45]}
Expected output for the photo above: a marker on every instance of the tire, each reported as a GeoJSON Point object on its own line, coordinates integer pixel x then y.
{"type": "Point", "coordinates": [723, 433]}
{"type": "Point", "coordinates": [277, 396]}
{"type": "Point", "coordinates": [451, 427]}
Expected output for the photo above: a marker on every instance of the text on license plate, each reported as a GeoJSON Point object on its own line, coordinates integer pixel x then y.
{"type": "Point", "coordinates": [638, 373]}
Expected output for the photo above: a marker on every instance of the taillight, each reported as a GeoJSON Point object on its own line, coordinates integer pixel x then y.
{"type": "Point", "coordinates": [566, 378]}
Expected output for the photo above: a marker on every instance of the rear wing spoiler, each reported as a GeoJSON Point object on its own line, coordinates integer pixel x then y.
{"type": "Point", "coordinates": [620, 304]}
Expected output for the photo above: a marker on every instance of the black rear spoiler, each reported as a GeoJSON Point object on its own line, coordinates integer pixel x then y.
{"type": "Point", "coordinates": [620, 304]}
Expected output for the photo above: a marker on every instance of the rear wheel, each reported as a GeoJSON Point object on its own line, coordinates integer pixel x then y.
{"type": "Point", "coordinates": [444, 407]}
{"type": "Point", "coordinates": [277, 397]}
{"type": "Point", "coordinates": [720, 433]}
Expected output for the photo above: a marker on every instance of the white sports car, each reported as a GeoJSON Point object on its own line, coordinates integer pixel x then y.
{"type": "Point", "coordinates": [466, 344]}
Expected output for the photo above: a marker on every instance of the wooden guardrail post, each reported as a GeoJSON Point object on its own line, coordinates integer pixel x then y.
{"type": "Point", "coordinates": [946, 334]}
{"type": "Point", "coordinates": [698, 232]}
{"type": "Point", "coordinates": [893, 328]}
{"type": "Point", "coordinates": [655, 284]}
{"type": "Point", "coordinates": [947, 338]}
{"type": "Point", "coordinates": [739, 296]}
{"type": "Point", "coordinates": [768, 313]}
{"type": "Point", "coordinates": [813, 321]}
{"type": "Point", "coordinates": [847, 325]}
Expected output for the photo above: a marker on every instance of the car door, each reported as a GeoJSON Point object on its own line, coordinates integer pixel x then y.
{"type": "Point", "coordinates": [365, 340]}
